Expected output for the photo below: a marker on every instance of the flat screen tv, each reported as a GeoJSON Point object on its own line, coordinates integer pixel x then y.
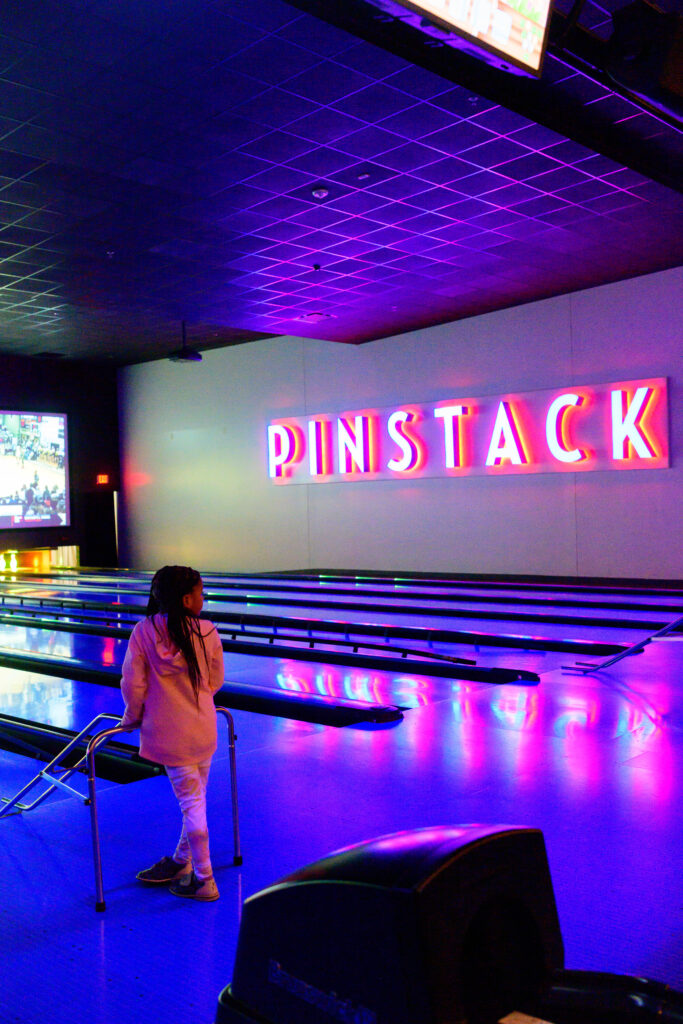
{"type": "Point", "coordinates": [34, 472]}
{"type": "Point", "coordinates": [511, 34]}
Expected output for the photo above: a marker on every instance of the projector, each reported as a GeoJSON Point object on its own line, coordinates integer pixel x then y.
{"type": "Point", "coordinates": [186, 355]}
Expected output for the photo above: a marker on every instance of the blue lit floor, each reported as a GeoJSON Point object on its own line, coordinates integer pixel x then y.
{"type": "Point", "coordinates": [596, 763]}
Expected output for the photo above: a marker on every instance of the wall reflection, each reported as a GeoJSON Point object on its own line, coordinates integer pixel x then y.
{"type": "Point", "coordinates": [37, 698]}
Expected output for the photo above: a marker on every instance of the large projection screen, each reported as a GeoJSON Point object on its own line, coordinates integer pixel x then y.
{"type": "Point", "coordinates": [34, 474]}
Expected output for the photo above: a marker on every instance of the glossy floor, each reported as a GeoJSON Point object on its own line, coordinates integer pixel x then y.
{"type": "Point", "coordinates": [596, 762]}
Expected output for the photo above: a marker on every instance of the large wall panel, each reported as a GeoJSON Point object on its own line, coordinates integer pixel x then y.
{"type": "Point", "coordinates": [631, 523]}
{"type": "Point", "coordinates": [488, 525]}
{"type": "Point", "coordinates": [195, 462]}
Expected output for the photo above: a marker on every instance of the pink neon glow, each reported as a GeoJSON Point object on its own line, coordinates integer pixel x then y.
{"type": "Point", "coordinates": [506, 444]}
{"type": "Point", "coordinates": [320, 447]}
{"type": "Point", "coordinates": [357, 444]}
{"type": "Point", "coordinates": [285, 448]}
{"type": "Point", "coordinates": [557, 428]}
{"type": "Point", "coordinates": [630, 439]}
{"type": "Point", "coordinates": [373, 440]}
{"type": "Point", "coordinates": [517, 710]}
{"type": "Point", "coordinates": [621, 425]}
{"type": "Point", "coordinates": [108, 651]}
{"type": "Point", "coordinates": [455, 445]}
{"type": "Point", "coordinates": [413, 450]}
{"type": "Point", "coordinates": [135, 477]}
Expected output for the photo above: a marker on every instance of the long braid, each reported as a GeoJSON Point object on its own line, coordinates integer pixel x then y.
{"type": "Point", "coordinates": [169, 586]}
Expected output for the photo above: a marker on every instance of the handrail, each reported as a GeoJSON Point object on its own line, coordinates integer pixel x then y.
{"type": "Point", "coordinates": [585, 666]}
{"type": "Point", "coordinates": [45, 773]}
{"type": "Point", "coordinates": [103, 737]}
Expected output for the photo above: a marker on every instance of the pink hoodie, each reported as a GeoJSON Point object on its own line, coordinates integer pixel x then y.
{"type": "Point", "coordinates": [156, 688]}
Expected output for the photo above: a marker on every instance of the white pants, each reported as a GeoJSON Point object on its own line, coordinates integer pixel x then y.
{"type": "Point", "coordinates": [189, 785]}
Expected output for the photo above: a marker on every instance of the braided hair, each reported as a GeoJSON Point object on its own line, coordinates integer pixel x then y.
{"type": "Point", "coordinates": [169, 585]}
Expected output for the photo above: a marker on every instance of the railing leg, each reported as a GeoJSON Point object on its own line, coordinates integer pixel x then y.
{"type": "Point", "coordinates": [237, 856]}
{"type": "Point", "coordinates": [94, 827]}
{"type": "Point", "coordinates": [95, 742]}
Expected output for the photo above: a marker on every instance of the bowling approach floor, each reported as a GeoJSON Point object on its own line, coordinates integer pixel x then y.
{"type": "Point", "coordinates": [595, 761]}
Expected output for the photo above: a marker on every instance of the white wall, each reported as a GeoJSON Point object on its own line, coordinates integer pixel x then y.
{"type": "Point", "coordinates": [193, 449]}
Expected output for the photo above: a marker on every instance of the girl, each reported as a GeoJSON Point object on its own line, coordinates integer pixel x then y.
{"type": "Point", "coordinates": [172, 668]}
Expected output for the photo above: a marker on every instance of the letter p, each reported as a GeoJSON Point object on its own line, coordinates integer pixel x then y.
{"type": "Point", "coordinates": [285, 449]}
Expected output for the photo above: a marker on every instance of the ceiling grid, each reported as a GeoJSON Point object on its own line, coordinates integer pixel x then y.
{"type": "Point", "coordinates": [254, 171]}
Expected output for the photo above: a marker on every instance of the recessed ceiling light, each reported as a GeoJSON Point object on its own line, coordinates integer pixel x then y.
{"type": "Point", "coordinates": [315, 318]}
{"type": "Point", "coordinates": [320, 193]}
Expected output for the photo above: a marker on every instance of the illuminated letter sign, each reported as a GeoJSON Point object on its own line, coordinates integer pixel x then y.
{"type": "Point", "coordinates": [453, 442]}
{"type": "Point", "coordinates": [412, 450]}
{"type": "Point", "coordinates": [354, 445]}
{"type": "Point", "coordinates": [506, 442]}
{"type": "Point", "coordinates": [627, 424]}
{"type": "Point", "coordinates": [319, 459]}
{"type": "Point", "coordinates": [622, 425]}
{"type": "Point", "coordinates": [284, 448]}
{"type": "Point", "coordinates": [555, 428]}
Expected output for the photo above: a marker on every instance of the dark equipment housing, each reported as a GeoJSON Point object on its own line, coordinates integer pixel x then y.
{"type": "Point", "coordinates": [433, 926]}
{"type": "Point", "coordinates": [448, 925]}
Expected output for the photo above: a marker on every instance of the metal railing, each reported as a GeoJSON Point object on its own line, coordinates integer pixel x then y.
{"type": "Point", "coordinates": [586, 667]}
{"type": "Point", "coordinates": [55, 773]}
{"type": "Point", "coordinates": [99, 740]}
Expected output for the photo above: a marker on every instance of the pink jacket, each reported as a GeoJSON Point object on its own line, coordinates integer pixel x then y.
{"type": "Point", "coordinates": [156, 688]}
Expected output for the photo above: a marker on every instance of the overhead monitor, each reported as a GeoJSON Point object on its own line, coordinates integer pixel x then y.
{"type": "Point", "coordinates": [34, 475]}
{"type": "Point", "coordinates": [511, 34]}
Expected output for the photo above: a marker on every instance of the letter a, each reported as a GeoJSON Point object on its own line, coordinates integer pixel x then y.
{"type": "Point", "coordinates": [505, 440]}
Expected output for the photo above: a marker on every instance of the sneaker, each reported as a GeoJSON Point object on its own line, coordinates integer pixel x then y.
{"type": "Point", "coordinates": [194, 888]}
{"type": "Point", "coordinates": [164, 871]}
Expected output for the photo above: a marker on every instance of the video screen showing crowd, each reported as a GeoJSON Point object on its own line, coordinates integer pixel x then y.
{"type": "Point", "coordinates": [33, 470]}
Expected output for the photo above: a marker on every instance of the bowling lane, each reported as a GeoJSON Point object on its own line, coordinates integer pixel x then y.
{"type": "Point", "coordinates": [387, 619]}
{"type": "Point", "coordinates": [407, 591]}
{"type": "Point", "coordinates": [460, 594]}
{"type": "Point", "coordinates": [51, 700]}
{"type": "Point", "coordinates": [72, 704]}
{"type": "Point", "coordinates": [290, 630]}
{"type": "Point", "coordinates": [293, 625]}
{"type": "Point", "coordinates": [585, 626]}
{"type": "Point", "coordinates": [351, 605]}
{"type": "Point", "coordinates": [12, 592]}
{"type": "Point", "coordinates": [279, 671]}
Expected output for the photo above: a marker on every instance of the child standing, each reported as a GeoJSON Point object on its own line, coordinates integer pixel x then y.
{"type": "Point", "coordinates": [172, 668]}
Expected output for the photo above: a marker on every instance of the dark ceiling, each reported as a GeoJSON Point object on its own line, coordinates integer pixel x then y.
{"type": "Point", "coordinates": [253, 170]}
